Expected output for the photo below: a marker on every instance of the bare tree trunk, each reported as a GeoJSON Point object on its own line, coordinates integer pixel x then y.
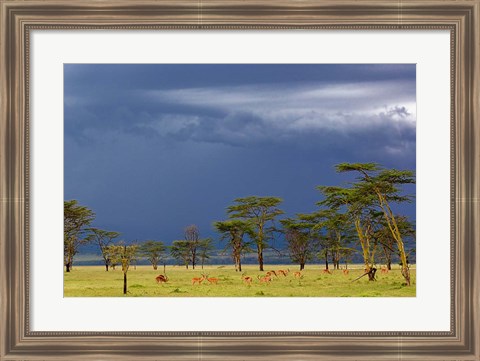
{"type": "Point", "coordinates": [106, 267]}
{"type": "Point", "coordinates": [67, 267]}
{"type": "Point", "coordinates": [239, 264]}
{"type": "Point", "coordinates": [302, 266]}
{"type": "Point", "coordinates": [124, 283]}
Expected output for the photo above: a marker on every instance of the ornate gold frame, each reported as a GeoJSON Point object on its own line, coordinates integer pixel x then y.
{"type": "Point", "coordinates": [18, 18]}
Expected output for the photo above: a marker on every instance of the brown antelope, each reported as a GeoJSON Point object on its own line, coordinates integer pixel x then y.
{"type": "Point", "coordinates": [346, 272]}
{"type": "Point", "coordinates": [264, 279]}
{"type": "Point", "coordinates": [283, 272]}
{"type": "Point", "coordinates": [213, 280]}
{"type": "Point", "coordinates": [161, 279]}
{"type": "Point", "coordinates": [327, 271]}
{"type": "Point", "coordinates": [384, 269]}
{"type": "Point", "coordinates": [270, 273]}
{"type": "Point", "coordinates": [248, 280]}
{"type": "Point", "coordinates": [297, 274]}
{"type": "Point", "coordinates": [198, 279]}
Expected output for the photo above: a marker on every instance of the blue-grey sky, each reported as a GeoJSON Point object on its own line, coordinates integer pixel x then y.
{"type": "Point", "coordinates": [154, 148]}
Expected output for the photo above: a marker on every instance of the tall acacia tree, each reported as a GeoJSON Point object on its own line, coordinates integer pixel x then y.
{"type": "Point", "coordinates": [359, 211]}
{"type": "Point", "coordinates": [234, 230]}
{"type": "Point", "coordinates": [260, 212]}
{"type": "Point", "coordinates": [103, 239]}
{"type": "Point", "coordinates": [76, 219]}
{"type": "Point", "coordinates": [384, 184]}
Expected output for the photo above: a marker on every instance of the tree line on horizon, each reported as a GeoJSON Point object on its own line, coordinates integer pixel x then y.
{"type": "Point", "coordinates": [359, 214]}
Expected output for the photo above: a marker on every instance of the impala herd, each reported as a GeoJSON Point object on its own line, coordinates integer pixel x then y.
{"type": "Point", "coordinates": [262, 279]}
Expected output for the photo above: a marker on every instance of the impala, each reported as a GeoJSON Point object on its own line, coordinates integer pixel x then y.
{"type": "Point", "coordinates": [161, 279]}
{"type": "Point", "coordinates": [345, 271]}
{"type": "Point", "coordinates": [297, 274]}
{"type": "Point", "coordinates": [384, 269]}
{"type": "Point", "coordinates": [283, 272]}
{"type": "Point", "coordinates": [327, 271]}
{"type": "Point", "coordinates": [198, 279]}
{"type": "Point", "coordinates": [248, 280]}
{"type": "Point", "coordinates": [213, 280]}
{"type": "Point", "coordinates": [270, 273]}
{"type": "Point", "coordinates": [265, 279]}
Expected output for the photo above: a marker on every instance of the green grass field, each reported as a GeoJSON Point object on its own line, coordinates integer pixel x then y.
{"type": "Point", "coordinates": [94, 281]}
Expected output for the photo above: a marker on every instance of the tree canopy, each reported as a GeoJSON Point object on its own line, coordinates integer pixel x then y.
{"type": "Point", "coordinates": [76, 219]}
{"type": "Point", "coordinates": [154, 251]}
{"type": "Point", "coordinates": [234, 230]}
{"type": "Point", "coordinates": [260, 212]}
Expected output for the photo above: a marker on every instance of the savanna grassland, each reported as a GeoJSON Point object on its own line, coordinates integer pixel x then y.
{"type": "Point", "coordinates": [94, 281]}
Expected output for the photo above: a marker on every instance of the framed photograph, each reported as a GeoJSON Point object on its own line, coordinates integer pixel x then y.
{"type": "Point", "coordinates": [146, 138]}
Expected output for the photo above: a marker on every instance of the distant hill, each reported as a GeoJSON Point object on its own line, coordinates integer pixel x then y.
{"type": "Point", "coordinates": [90, 255]}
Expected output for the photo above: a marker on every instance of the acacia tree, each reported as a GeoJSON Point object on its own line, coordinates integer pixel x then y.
{"type": "Point", "coordinates": [180, 250]}
{"type": "Point", "coordinates": [299, 239]}
{"type": "Point", "coordinates": [192, 236]}
{"type": "Point", "coordinates": [76, 219]}
{"type": "Point", "coordinates": [358, 207]}
{"type": "Point", "coordinates": [260, 212]}
{"type": "Point", "coordinates": [384, 184]}
{"type": "Point", "coordinates": [336, 234]}
{"type": "Point", "coordinates": [154, 251]}
{"type": "Point", "coordinates": [386, 240]}
{"type": "Point", "coordinates": [103, 239]}
{"type": "Point", "coordinates": [234, 230]}
{"type": "Point", "coordinates": [347, 254]}
{"type": "Point", "coordinates": [124, 255]}
{"type": "Point", "coordinates": [205, 247]}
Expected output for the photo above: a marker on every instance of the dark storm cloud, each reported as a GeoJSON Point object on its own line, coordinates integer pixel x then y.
{"type": "Point", "coordinates": [153, 148]}
{"type": "Point", "coordinates": [88, 77]}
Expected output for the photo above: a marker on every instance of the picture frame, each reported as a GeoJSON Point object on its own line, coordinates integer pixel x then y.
{"type": "Point", "coordinates": [18, 18]}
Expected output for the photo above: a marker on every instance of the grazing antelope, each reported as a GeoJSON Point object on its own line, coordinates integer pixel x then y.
{"type": "Point", "coordinates": [248, 280]}
{"type": "Point", "coordinates": [270, 273]}
{"type": "Point", "coordinates": [384, 269]}
{"type": "Point", "coordinates": [283, 272]}
{"type": "Point", "coordinates": [161, 279]}
{"type": "Point", "coordinates": [297, 274]}
{"type": "Point", "coordinates": [213, 280]}
{"type": "Point", "coordinates": [198, 279]}
{"type": "Point", "coordinates": [346, 272]}
{"type": "Point", "coordinates": [327, 271]}
{"type": "Point", "coordinates": [264, 279]}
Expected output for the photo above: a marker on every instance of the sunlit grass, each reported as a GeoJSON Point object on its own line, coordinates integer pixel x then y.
{"type": "Point", "coordinates": [94, 281]}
